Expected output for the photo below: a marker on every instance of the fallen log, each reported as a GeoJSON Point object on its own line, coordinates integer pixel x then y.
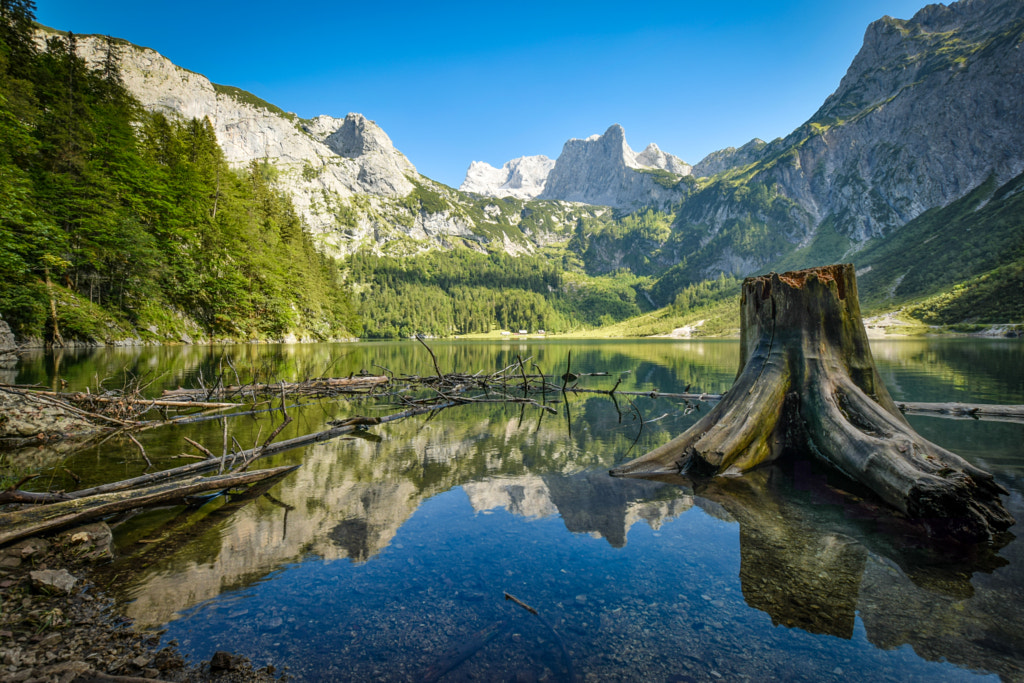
{"type": "Point", "coordinates": [808, 386]}
{"type": "Point", "coordinates": [452, 659]}
{"type": "Point", "coordinates": [975, 411]}
{"type": "Point", "coordinates": [979, 411]}
{"type": "Point", "coordinates": [332, 384]}
{"type": "Point", "coordinates": [38, 519]}
{"type": "Point", "coordinates": [81, 396]}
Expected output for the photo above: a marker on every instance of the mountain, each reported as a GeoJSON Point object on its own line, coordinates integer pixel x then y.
{"type": "Point", "coordinates": [601, 170]}
{"type": "Point", "coordinates": [351, 186]}
{"type": "Point", "coordinates": [728, 158]}
{"type": "Point", "coordinates": [925, 123]}
{"type": "Point", "coordinates": [522, 178]}
{"type": "Point", "coordinates": [928, 112]}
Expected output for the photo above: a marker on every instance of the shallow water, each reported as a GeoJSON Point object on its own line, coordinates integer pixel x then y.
{"type": "Point", "coordinates": [388, 557]}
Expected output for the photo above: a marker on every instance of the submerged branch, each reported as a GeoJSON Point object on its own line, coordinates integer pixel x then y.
{"type": "Point", "coordinates": [37, 519]}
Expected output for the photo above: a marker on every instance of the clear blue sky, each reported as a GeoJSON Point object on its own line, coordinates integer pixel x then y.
{"type": "Point", "coordinates": [462, 81]}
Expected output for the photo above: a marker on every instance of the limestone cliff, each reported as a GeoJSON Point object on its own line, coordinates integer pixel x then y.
{"type": "Point", "coordinates": [601, 170]}
{"type": "Point", "coordinates": [604, 170]}
{"type": "Point", "coordinates": [522, 178]}
{"type": "Point", "coordinates": [929, 109]}
{"type": "Point", "coordinates": [353, 188]}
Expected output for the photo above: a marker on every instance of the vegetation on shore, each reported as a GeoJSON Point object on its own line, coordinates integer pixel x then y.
{"type": "Point", "coordinates": [116, 223]}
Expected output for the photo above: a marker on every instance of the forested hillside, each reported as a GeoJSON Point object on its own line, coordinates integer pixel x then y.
{"type": "Point", "coordinates": [115, 221]}
{"type": "Point", "coordinates": [466, 292]}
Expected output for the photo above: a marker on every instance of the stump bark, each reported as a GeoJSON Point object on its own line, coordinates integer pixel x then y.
{"type": "Point", "coordinates": [807, 384]}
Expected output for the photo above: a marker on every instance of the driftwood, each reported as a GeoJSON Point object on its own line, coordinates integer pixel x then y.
{"type": "Point", "coordinates": [326, 386]}
{"type": "Point", "coordinates": [974, 411]}
{"type": "Point", "coordinates": [81, 396]}
{"type": "Point", "coordinates": [566, 657]}
{"type": "Point", "coordinates": [42, 518]}
{"type": "Point", "coordinates": [807, 384]}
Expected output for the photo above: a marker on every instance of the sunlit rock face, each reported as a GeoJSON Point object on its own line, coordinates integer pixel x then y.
{"type": "Point", "coordinates": [604, 170]}
{"type": "Point", "coordinates": [653, 157]}
{"type": "Point", "coordinates": [591, 171]}
{"type": "Point", "coordinates": [522, 178]}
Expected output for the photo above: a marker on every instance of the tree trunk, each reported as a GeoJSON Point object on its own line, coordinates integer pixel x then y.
{"type": "Point", "coordinates": [56, 340]}
{"type": "Point", "coordinates": [808, 384]}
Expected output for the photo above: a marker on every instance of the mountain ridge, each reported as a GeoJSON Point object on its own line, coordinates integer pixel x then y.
{"type": "Point", "coordinates": [926, 114]}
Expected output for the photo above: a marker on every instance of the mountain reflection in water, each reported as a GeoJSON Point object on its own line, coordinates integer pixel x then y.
{"type": "Point", "coordinates": [379, 558]}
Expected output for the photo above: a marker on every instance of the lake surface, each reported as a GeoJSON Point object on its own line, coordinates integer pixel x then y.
{"type": "Point", "coordinates": [387, 556]}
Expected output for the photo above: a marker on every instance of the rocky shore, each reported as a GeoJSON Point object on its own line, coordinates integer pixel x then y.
{"type": "Point", "coordinates": [56, 625]}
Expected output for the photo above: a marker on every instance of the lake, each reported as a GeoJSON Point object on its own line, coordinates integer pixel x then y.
{"type": "Point", "coordinates": [388, 554]}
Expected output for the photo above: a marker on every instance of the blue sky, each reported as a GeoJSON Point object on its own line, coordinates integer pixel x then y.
{"type": "Point", "coordinates": [456, 82]}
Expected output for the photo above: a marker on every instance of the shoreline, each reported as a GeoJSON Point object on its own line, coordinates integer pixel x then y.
{"type": "Point", "coordinates": [59, 624]}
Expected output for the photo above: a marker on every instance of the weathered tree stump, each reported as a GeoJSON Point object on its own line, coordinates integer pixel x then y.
{"type": "Point", "coordinates": [808, 385]}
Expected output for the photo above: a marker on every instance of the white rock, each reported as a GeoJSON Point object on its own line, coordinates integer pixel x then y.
{"type": "Point", "coordinates": [522, 178]}
{"type": "Point", "coordinates": [604, 170]}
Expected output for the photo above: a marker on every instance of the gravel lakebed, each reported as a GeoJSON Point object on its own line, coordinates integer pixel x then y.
{"type": "Point", "coordinates": [57, 626]}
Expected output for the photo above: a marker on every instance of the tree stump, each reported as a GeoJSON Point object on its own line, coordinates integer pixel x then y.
{"type": "Point", "coordinates": [807, 385]}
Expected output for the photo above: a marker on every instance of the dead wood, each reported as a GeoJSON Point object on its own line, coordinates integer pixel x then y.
{"type": "Point", "coordinates": [437, 368]}
{"type": "Point", "coordinates": [327, 386]}
{"type": "Point", "coordinates": [242, 456]}
{"type": "Point", "coordinates": [81, 396]}
{"type": "Point", "coordinates": [522, 604]}
{"type": "Point", "coordinates": [41, 518]}
{"type": "Point", "coordinates": [807, 385]}
{"type": "Point", "coordinates": [977, 411]}
{"type": "Point", "coordinates": [566, 657]}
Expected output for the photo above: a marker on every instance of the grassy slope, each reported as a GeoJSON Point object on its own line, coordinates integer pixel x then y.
{"type": "Point", "coordinates": [963, 252]}
{"type": "Point", "coordinates": [959, 267]}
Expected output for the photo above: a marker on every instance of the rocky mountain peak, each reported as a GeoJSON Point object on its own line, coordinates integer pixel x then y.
{"type": "Point", "coordinates": [928, 111]}
{"type": "Point", "coordinates": [358, 136]}
{"type": "Point", "coordinates": [898, 54]}
{"type": "Point", "coordinates": [653, 157]}
{"type": "Point", "coordinates": [319, 157]}
{"type": "Point", "coordinates": [604, 170]}
{"type": "Point", "coordinates": [522, 178]}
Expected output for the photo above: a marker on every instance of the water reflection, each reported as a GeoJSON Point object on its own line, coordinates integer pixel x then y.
{"type": "Point", "coordinates": [814, 558]}
{"type": "Point", "coordinates": [379, 555]}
